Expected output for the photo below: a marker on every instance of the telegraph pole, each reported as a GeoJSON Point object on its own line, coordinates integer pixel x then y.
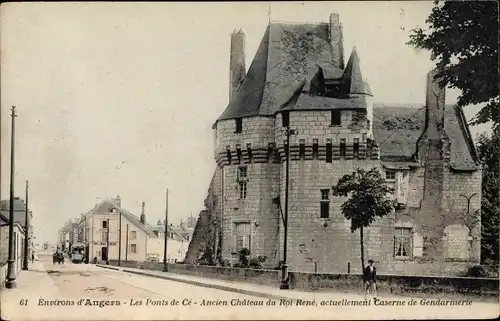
{"type": "Point", "coordinates": [165, 265]}
{"type": "Point", "coordinates": [126, 246]}
{"type": "Point", "coordinates": [11, 273]}
{"type": "Point", "coordinates": [120, 239]}
{"type": "Point", "coordinates": [26, 232]}
{"type": "Point", "coordinates": [285, 282]}
{"type": "Point", "coordinates": [107, 245]}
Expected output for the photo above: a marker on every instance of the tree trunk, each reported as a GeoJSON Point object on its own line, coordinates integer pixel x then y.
{"type": "Point", "coordinates": [362, 249]}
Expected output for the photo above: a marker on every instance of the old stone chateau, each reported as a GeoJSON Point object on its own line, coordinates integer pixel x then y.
{"type": "Point", "coordinates": [298, 79]}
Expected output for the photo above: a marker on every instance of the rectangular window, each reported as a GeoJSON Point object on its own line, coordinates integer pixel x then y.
{"type": "Point", "coordinates": [336, 118]}
{"type": "Point", "coordinates": [286, 118]}
{"type": "Point", "coordinates": [315, 148]}
{"type": "Point", "coordinates": [390, 175]}
{"type": "Point", "coordinates": [356, 147]}
{"type": "Point", "coordinates": [133, 235]}
{"type": "Point", "coordinates": [329, 151]}
{"type": "Point", "coordinates": [104, 237]}
{"type": "Point", "coordinates": [302, 149]}
{"type": "Point", "coordinates": [242, 173]}
{"type": "Point", "coordinates": [242, 231]}
{"type": "Point", "coordinates": [342, 147]}
{"type": "Point", "coordinates": [239, 125]}
{"type": "Point", "coordinates": [133, 248]}
{"type": "Point", "coordinates": [243, 190]}
{"type": "Point", "coordinates": [403, 242]}
{"type": "Point", "coordinates": [104, 224]}
{"type": "Point", "coordinates": [325, 204]}
{"type": "Point", "coordinates": [239, 153]}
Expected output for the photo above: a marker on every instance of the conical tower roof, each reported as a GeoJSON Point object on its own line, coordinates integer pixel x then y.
{"type": "Point", "coordinates": [352, 77]}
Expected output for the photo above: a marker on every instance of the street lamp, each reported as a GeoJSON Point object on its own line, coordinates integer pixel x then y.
{"type": "Point", "coordinates": [285, 281]}
{"type": "Point", "coordinates": [11, 273]}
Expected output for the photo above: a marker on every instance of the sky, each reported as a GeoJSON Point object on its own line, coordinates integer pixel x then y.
{"type": "Point", "coordinates": [120, 98]}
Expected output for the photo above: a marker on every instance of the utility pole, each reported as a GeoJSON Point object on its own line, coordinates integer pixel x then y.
{"type": "Point", "coordinates": [165, 265]}
{"type": "Point", "coordinates": [285, 281]}
{"type": "Point", "coordinates": [26, 232]}
{"type": "Point", "coordinates": [11, 273]}
{"type": "Point", "coordinates": [120, 239]}
{"type": "Point", "coordinates": [126, 246]}
{"type": "Point", "coordinates": [107, 246]}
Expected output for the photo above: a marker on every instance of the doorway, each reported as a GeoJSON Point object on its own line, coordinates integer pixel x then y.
{"type": "Point", "coordinates": [104, 253]}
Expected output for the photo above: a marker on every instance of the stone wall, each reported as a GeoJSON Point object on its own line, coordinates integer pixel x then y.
{"type": "Point", "coordinates": [387, 283]}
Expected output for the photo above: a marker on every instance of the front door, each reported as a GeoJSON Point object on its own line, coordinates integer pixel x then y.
{"type": "Point", "coordinates": [104, 253]}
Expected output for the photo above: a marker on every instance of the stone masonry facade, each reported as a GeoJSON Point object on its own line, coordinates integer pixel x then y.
{"type": "Point", "coordinates": [437, 186]}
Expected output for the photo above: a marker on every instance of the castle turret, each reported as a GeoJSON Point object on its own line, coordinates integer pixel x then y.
{"type": "Point", "coordinates": [356, 86]}
{"type": "Point", "coordinates": [237, 62]}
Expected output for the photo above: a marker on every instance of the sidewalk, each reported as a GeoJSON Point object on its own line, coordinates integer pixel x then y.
{"type": "Point", "coordinates": [31, 283]}
{"type": "Point", "coordinates": [248, 288]}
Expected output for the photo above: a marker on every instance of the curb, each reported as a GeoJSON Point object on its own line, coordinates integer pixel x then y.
{"type": "Point", "coordinates": [205, 285]}
{"type": "Point", "coordinates": [108, 267]}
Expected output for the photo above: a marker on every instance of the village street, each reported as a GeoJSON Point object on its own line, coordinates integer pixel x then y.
{"type": "Point", "coordinates": [131, 296]}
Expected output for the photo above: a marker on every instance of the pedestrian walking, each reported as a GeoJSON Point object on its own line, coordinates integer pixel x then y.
{"type": "Point", "coordinates": [32, 257]}
{"type": "Point", "coordinates": [370, 279]}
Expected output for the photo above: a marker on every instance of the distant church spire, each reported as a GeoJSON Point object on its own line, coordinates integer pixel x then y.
{"type": "Point", "coordinates": [269, 14]}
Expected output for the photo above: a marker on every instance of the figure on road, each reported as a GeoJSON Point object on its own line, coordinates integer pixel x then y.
{"type": "Point", "coordinates": [369, 278]}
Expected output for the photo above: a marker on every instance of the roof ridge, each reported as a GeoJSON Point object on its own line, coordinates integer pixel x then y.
{"type": "Point", "coordinates": [298, 23]}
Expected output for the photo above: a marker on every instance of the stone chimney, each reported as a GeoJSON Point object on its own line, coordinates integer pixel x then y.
{"type": "Point", "coordinates": [237, 69]}
{"type": "Point", "coordinates": [143, 214]}
{"type": "Point", "coordinates": [431, 151]}
{"type": "Point", "coordinates": [336, 40]}
{"type": "Point", "coordinates": [117, 201]}
{"type": "Point", "coordinates": [434, 107]}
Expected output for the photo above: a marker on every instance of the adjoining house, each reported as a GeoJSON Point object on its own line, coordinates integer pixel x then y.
{"type": "Point", "coordinates": [19, 235]}
{"type": "Point", "coordinates": [298, 80]}
{"type": "Point", "coordinates": [139, 240]}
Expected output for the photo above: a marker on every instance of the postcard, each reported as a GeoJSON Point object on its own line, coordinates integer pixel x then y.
{"type": "Point", "coordinates": [249, 160]}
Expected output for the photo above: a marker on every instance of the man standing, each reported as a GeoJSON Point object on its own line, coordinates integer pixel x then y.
{"type": "Point", "coordinates": [369, 278]}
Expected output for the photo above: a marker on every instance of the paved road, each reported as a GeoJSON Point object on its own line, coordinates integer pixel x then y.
{"type": "Point", "coordinates": [110, 295]}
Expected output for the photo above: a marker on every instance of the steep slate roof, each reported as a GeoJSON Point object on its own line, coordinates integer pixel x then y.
{"type": "Point", "coordinates": [107, 205]}
{"type": "Point", "coordinates": [352, 76]}
{"type": "Point", "coordinates": [397, 128]}
{"type": "Point", "coordinates": [287, 54]}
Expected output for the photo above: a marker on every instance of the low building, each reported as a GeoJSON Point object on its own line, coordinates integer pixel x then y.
{"type": "Point", "coordinates": [19, 215]}
{"type": "Point", "coordinates": [4, 246]}
{"type": "Point", "coordinates": [177, 245]}
{"type": "Point", "coordinates": [139, 240]}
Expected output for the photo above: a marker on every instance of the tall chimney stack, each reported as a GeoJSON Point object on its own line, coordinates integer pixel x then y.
{"type": "Point", "coordinates": [143, 215]}
{"type": "Point", "coordinates": [336, 40]}
{"type": "Point", "coordinates": [237, 69]}
{"type": "Point", "coordinates": [434, 107]}
{"type": "Point", "coordinates": [432, 153]}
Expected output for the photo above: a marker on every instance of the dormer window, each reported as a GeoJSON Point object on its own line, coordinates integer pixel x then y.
{"type": "Point", "coordinates": [239, 125]}
{"type": "Point", "coordinates": [336, 118]}
{"type": "Point", "coordinates": [285, 116]}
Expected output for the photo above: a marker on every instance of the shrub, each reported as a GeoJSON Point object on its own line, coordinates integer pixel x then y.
{"type": "Point", "coordinates": [476, 271]}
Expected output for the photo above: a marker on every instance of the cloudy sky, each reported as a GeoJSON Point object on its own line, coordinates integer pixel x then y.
{"type": "Point", "coordinates": [119, 99]}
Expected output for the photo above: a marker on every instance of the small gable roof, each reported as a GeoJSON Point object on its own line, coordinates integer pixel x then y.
{"type": "Point", "coordinates": [107, 205]}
